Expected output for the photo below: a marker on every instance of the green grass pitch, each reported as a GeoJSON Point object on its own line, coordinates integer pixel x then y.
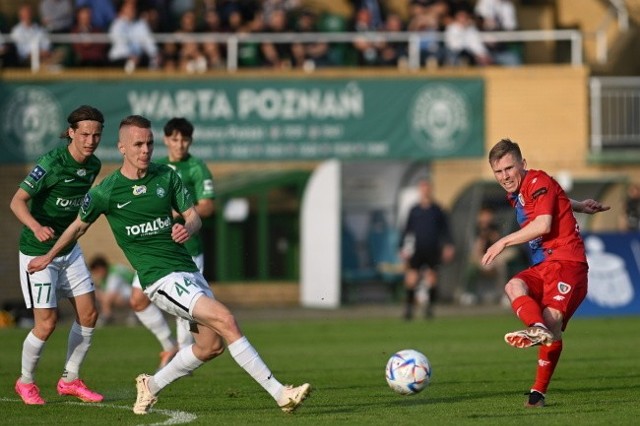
{"type": "Point", "coordinates": [477, 379]}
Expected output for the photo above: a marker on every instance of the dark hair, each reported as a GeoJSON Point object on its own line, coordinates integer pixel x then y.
{"type": "Point", "coordinates": [180, 125]}
{"type": "Point", "coordinates": [504, 147]}
{"type": "Point", "coordinates": [82, 113]}
{"type": "Point", "coordinates": [98, 262]}
{"type": "Point", "coordinates": [136, 121]}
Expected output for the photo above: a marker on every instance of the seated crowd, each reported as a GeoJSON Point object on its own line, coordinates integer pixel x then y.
{"type": "Point", "coordinates": [449, 34]}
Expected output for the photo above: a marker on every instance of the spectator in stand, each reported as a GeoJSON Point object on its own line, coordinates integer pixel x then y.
{"type": "Point", "coordinates": [88, 53]}
{"type": "Point", "coordinates": [25, 31]}
{"type": "Point", "coordinates": [159, 18]}
{"type": "Point", "coordinates": [7, 53]}
{"type": "Point", "coordinates": [309, 55]}
{"type": "Point", "coordinates": [365, 46]}
{"type": "Point", "coordinates": [232, 19]}
{"type": "Point", "coordinates": [392, 53]}
{"type": "Point", "coordinates": [426, 17]}
{"type": "Point", "coordinates": [249, 54]}
{"type": "Point", "coordinates": [179, 7]}
{"type": "Point", "coordinates": [288, 6]}
{"type": "Point", "coordinates": [56, 15]}
{"type": "Point", "coordinates": [376, 11]}
{"type": "Point", "coordinates": [462, 40]}
{"type": "Point", "coordinates": [277, 55]}
{"type": "Point", "coordinates": [213, 50]}
{"type": "Point", "coordinates": [103, 12]}
{"type": "Point", "coordinates": [499, 15]}
{"type": "Point", "coordinates": [132, 43]}
{"type": "Point", "coordinates": [185, 54]}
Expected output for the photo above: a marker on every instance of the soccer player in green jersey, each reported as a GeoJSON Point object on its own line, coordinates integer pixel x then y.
{"type": "Point", "coordinates": [178, 137]}
{"type": "Point", "coordinates": [138, 201]}
{"type": "Point", "coordinates": [46, 202]}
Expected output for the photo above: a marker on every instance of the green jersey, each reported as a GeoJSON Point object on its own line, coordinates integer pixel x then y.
{"type": "Point", "coordinates": [139, 214]}
{"type": "Point", "coordinates": [57, 185]}
{"type": "Point", "coordinates": [199, 181]}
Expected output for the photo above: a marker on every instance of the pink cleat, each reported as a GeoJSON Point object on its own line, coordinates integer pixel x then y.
{"type": "Point", "coordinates": [78, 389]}
{"type": "Point", "coordinates": [29, 393]}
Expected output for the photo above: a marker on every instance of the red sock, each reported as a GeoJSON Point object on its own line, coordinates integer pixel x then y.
{"type": "Point", "coordinates": [527, 310]}
{"type": "Point", "coordinates": [548, 357]}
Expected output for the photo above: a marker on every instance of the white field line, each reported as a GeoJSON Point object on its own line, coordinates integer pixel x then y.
{"type": "Point", "coordinates": [175, 417]}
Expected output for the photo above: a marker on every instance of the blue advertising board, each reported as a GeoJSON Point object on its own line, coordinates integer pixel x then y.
{"type": "Point", "coordinates": [614, 274]}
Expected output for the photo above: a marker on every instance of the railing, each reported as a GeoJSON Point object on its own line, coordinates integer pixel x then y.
{"type": "Point", "coordinates": [233, 41]}
{"type": "Point", "coordinates": [617, 11]}
{"type": "Point", "coordinates": [615, 114]}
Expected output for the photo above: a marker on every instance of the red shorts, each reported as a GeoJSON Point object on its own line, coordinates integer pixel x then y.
{"type": "Point", "coordinates": [559, 284]}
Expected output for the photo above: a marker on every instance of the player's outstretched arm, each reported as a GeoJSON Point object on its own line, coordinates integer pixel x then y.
{"type": "Point", "coordinates": [69, 236]}
{"type": "Point", "coordinates": [588, 206]}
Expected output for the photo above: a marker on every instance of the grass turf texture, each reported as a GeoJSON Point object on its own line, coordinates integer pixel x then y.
{"type": "Point", "coordinates": [477, 378]}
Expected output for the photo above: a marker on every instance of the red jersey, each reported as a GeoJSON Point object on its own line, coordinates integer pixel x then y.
{"type": "Point", "coordinates": [539, 195]}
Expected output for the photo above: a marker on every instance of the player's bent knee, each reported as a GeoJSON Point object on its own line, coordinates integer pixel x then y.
{"type": "Point", "coordinates": [89, 318]}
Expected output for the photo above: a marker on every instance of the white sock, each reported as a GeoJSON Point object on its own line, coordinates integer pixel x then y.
{"type": "Point", "coordinates": [77, 348]}
{"type": "Point", "coordinates": [247, 358]}
{"type": "Point", "coordinates": [182, 364]}
{"type": "Point", "coordinates": [152, 318]}
{"type": "Point", "coordinates": [31, 351]}
{"type": "Point", "coordinates": [183, 333]}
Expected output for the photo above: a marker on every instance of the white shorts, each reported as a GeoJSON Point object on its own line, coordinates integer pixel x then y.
{"type": "Point", "coordinates": [198, 260]}
{"type": "Point", "coordinates": [67, 276]}
{"type": "Point", "coordinates": [177, 293]}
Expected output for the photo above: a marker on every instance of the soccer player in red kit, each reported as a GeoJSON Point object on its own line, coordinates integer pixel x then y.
{"type": "Point", "coordinates": [546, 295]}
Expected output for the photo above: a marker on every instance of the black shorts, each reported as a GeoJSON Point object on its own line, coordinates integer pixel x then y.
{"type": "Point", "coordinates": [425, 258]}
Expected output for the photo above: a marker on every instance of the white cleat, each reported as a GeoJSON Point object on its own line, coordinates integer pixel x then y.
{"type": "Point", "coordinates": [145, 399]}
{"type": "Point", "coordinates": [292, 397]}
{"type": "Point", "coordinates": [531, 336]}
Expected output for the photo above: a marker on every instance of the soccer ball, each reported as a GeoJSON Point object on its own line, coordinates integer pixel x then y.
{"type": "Point", "coordinates": [408, 372]}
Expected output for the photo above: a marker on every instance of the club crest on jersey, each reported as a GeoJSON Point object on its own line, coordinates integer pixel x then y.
{"type": "Point", "coordinates": [521, 199]}
{"type": "Point", "coordinates": [139, 189]}
{"type": "Point", "coordinates": [81, 172]}
{"type": "Point", "coordinates": [563, 287]}
{"type": "Point", "coordinates": [160, 192]}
